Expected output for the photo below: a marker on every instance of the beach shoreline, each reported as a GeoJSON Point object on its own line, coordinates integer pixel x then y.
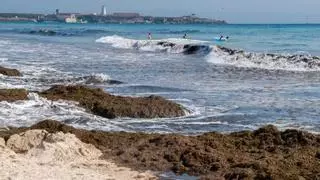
{"type": "Point", "coordinates": [102, 101]}
{"type": "Point", "coordinates": [264, 153]}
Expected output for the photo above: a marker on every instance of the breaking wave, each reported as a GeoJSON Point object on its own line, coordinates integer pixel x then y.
{"type": "Point", "coordinates": [181, 32]}
{"type": "Point", "coordinates": [68, 32]}
{"type": "Point", "coordinates": [91, 79]}
{"type": "Point", "coordinates": [290, 62]}
{"type": "Point", "coordinates": [45, 78]}
{"type": "Point", "coordinates": [98, 79]}
{"type": "Point", "coordinates": [219, 55]}
{"type": "Point", "coordinates": [170, 45]}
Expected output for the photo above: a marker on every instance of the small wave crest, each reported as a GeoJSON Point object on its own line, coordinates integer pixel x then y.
{"type": "Point", "coordinates": [290, 62]}
{"type": "Point", "coordinates": [170, 45]}
{"type": "Point", "coordinates": [36, 108]}
{"type": "Point", "coordinates": [91, 79]}
{"type": "Point", "coordinates": [65, 32]}
{"type": "Point", "coordinates": [181, 32]}
{"type": "Point", "coordinates": [100, 79]}
{"type": "Point", "coordinates": [42, 78]}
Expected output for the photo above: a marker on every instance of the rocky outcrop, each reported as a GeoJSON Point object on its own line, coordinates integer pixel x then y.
{"type": "Point", "coordinates": [11, 95]}
{"type": "Point", "coordinates": [9, 72]}
{"type": "Point", "coordinates": [103, 104]}
{"type": "Point", "coordinates": [266, 153]}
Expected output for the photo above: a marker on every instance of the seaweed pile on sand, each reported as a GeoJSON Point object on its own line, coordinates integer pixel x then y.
{"type": "Point", "coordinates": [266, 153]}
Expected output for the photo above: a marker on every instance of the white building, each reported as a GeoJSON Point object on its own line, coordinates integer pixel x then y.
{"type": "Point", "coordinates": [71, 19]}
{"type": "Point", "coordinates": [103, 11]}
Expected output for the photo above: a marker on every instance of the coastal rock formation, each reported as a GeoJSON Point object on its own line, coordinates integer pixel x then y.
{"type": "Point", "coordinates": [110, 106]}
{"type": "Point", "coordinates": [266, 153]}
{"type": "Point", "coordinates": [9, 72]}
{"type": "Point", "coordinates": [11, 95]}
{"type": "Point", "coordinates": [57, 156]}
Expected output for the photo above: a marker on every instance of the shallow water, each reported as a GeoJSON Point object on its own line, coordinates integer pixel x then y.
{"type": "Point", "coordinates": [276, 80]}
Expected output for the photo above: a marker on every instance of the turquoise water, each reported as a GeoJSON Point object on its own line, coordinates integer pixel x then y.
{"type": "Point", "coordinates": [272, 75]}
{"type": "Point", "coordinates": [260, 38]}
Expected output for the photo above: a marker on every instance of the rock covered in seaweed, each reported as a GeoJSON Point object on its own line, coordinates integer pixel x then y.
{"type": "Point", "coordinates": [110, 106]}
{"type": "Point", "coordinates": [266, 153]}
{"type": "Point", "coordinates": [9, 72]}
{"type": "Point", "coordinates": [13, 94]}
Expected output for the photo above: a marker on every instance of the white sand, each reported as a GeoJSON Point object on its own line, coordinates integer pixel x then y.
{"type": "Point", "coordinates": [57, 156]}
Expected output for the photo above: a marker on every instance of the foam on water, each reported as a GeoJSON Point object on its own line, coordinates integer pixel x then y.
{"type": "Point", "coordinates": [36, 108]}
{"type": "Point", "coordinates": [28, 112]}
{"type": "Point", "coordinates": [43, 77]}
{"type": "Point", "coordinates": [294, 62]}
{"type": "Point", "coordinates": [300, 61]}
{"type": "Point", "coordinates": [172, 45]}
{"type": "Point", "coordinates": [224, 89]}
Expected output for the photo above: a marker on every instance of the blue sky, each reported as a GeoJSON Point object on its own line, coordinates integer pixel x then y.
{"type": "Point", "coordinates": [233, 11]}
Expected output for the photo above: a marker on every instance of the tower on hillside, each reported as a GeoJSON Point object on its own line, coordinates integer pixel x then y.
{"type": "Point", "coordinates": [103, 11]}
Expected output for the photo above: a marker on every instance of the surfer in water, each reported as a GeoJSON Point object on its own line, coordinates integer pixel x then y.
{"type": "Point", "coordinates": [221, 37]}
{"type": "Point", "coordinates": [149, 36]}
{"type": "Point", "coordinates": [185, 36]}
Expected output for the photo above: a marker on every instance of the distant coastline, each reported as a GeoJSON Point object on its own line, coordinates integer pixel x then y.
{"type": "Point", "coordinates": [115, 18]}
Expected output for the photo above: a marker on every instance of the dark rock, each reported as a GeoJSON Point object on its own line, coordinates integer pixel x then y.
{"type": "Point", "coordinates": [239, 173]}
{"type": "Point", "coordinates": [9, 72]}
{"type": "Point", "coordinates": [112, 82]}
{"type": "Point", "coordinates": [294, 137]}
{"type": "Point", "coordinates": [109, 106]}
{"type": "Point", "coordinates": [166, 44]}
{"type": "Point", "coordinates": [227, 50]}
{"type": "Point", "coordinates": [195, 48]}
{"type": "Point", "coordinates": [11, 95]}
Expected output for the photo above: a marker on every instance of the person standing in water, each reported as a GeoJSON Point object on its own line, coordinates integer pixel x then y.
{"type": "Point", "coordinates": [149, 36]}
{"type": "Point", "coordinates": [184, 36]}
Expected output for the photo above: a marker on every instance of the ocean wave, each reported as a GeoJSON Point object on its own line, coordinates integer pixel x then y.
{"type": "Point", "coordinates": [300, 61]}
{"type": "Point", "coordinates": [99, 79]}
{"type": "Point", "coordinates": [290, 62]}
{"type": "Point", "coordinates": [92, 79]}
{"type": "Point", "coordinates": [171, 45]}
{"type": "Point", "coordinates": [36, 108]}
{"type": "Point", "coordinates": [65, 32]}
{"type": "Point", "coordinates": [167, 31]}
{"type": "Point", "coordinates": [42, 78]}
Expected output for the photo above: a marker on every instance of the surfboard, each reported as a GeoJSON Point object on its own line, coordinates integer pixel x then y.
{"type": "Point", "coordinates": [220, 40]}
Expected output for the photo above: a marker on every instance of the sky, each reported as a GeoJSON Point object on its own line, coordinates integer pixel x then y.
{"type": "Point", "coordinates": [233, 11]}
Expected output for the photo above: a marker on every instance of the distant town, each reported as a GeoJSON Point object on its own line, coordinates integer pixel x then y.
{"type": "Point", "coordinates": [104, 17]}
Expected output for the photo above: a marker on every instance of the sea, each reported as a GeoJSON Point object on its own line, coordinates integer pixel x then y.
{"type": "Point", "coordinates": [263, 74]}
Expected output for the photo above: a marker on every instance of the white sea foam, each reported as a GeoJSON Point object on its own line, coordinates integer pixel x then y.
{"type": "Point", "coordinates": [296, 62]}
{"type": "Point", "coordinates": [43, 77]}
{"type": "Point", "coordinates": [2, 60]}
{"type": "Point", "coordinates": [28, 112]}
{"type": "Point", "coordinates": [172, 45]}
{"type": "Point", "coordinates": [97, 78]}
{"type": "Point", "coordinates": [301, 61]}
